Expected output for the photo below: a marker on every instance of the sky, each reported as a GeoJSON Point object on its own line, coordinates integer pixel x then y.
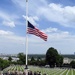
{"type": "Point", "coordinates": [56, 18]}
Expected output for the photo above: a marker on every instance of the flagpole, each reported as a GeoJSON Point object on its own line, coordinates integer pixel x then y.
{"type": "Point", "coordinates": [26, 34]}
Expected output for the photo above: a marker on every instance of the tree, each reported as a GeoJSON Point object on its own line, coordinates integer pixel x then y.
{"type": "Point", "coordinates": [10, 59]}
{"type": "Point", "coordinates": [42, 63]}
{"type": "Point", "coordinates": [22, 58]}
{"type": "Point", "coordinates": [51, 56]}
{"type": "Point", "coordinates": [32, 61]}
{"type": "Point", "coordinates": [38, 61]}
{"type": "Point", "coordinates": [4, 64]}
{"type": "Point", "coordinates": [72, 64]}
{"type": "Point", "coordinates": [59, 61]}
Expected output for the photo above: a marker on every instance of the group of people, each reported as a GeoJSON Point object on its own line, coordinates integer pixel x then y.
{"type": "Point", "coordinates": [35, 73]}
{"type": "Point", "coordinates": [23, 73]}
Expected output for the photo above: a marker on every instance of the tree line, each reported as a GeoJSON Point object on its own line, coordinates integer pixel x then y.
{"type": "Point", "coordinates": [52, 58]}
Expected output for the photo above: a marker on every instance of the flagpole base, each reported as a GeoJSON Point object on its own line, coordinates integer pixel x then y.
{"type": "Point", "coordinates": [26, 70]}
{"type": "Point", "coordinates": [26, 67]}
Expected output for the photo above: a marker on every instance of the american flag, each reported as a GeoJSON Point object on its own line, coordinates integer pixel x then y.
{"type": "Point", "coordinates": [33, 30]}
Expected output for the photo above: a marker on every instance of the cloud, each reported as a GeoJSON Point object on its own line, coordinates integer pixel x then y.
{"type": "Point", "coordinates": [64, 15]}
{"type": "Point", "coordinates": [9, 23]}
{"type": "Point", "coordinates": [33, 3]}
{"type": "Point", "coordinates": [56, 34]}
{"type": "Point", "coordinates": [11, 43]}
{"type": "Point", "coordinates": [19, 3]}
{"type": "Point", "coordinates": [11, 36]}
{"type": "Point", "coordinates": [56, 38]}
{"type": "Point", "coordinates": [32, 19]}
{"type": "Point", "coordinates": [37, 10]}
{"type": "Point", "coordinates": [7, 20]}
{"type": "Point", "coordinates": [61, 40]}
{"type": "Point", "coordinates": [50, 29]}
{"type": "Point", "coordinates": [2, 32]}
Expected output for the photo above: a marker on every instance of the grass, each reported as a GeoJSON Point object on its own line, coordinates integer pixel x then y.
{"type": "Point", "coordinates": [49, 71]}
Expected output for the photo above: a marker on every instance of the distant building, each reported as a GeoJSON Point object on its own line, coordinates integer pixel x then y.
{"type": "Point", "coordinates": [13, 58]}
{"type": "Point", "coordinates": [67, 60]}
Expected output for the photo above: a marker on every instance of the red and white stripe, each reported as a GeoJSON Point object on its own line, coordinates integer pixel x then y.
{"type": "Point", "coordinates": [37, 32]}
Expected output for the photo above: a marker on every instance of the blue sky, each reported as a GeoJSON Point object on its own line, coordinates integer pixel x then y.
{"type": "Point", "coordinates": [56, 18]}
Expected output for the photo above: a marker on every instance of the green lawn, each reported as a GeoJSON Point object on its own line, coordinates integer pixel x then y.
{"type": "Point", "coordinates": [49, 71]}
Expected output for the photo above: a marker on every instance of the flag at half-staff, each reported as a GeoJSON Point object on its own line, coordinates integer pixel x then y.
{"type": "Point", "coordinates": [33, 30]}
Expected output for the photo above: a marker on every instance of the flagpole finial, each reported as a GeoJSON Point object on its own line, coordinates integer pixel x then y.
{"type": "Point", "coordinates": [26, 0]}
